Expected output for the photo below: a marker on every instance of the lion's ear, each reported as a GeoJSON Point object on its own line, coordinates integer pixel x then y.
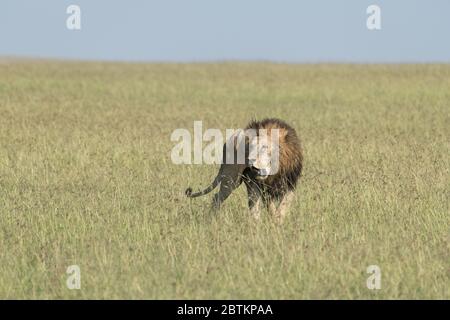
{"type": "Point", "coordinates": [281, 135]}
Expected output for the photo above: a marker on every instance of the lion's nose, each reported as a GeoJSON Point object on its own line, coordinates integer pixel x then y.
{"type": "Point", "coordinates": [255, 169]}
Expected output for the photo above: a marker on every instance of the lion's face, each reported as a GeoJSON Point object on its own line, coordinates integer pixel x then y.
{"type": "Point", "coordinates": [261, 156]}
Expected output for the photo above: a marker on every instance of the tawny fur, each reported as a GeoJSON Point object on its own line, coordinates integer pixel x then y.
{"type": "Point", "coordinates": [276, 191]}
{"type": "Point", "coordinates": [290, 159]}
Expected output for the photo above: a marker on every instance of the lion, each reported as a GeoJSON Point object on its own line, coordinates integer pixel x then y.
{"type": "Point", "coordinates": [270, 169]}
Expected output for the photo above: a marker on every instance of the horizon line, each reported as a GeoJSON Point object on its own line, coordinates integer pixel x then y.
{"type": "Point", "coordinates": [213, 61]}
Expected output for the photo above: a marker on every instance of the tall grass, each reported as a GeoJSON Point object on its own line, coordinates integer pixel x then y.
{"type": "Point", "coordinates": [86, 178]}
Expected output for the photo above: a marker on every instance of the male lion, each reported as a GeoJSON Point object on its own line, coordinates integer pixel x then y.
{"type": "Point", "coordinates": [268, 182]}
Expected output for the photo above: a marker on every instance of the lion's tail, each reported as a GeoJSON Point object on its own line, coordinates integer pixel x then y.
{"type": "Point", "coordinates": [210, 188]}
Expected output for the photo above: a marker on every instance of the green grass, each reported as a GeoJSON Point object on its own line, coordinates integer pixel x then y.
{"type": "Point", "coordinates": [86, 178]}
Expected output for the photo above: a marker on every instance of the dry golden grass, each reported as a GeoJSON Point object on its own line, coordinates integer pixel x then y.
{"type": "Point", "coordinates": [86, 179]}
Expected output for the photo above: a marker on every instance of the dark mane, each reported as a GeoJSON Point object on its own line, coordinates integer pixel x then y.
{"type": "Point", "coordinates": [291, 158]}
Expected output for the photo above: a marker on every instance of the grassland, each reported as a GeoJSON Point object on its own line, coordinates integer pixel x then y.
{"type": "Point", "coordinates": [86, 178]}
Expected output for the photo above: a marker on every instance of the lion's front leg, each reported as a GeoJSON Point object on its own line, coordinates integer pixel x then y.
{"type": "Point", "coordinates": [254, 200]}
{"type": "Point", "coordinates": [280, 212]}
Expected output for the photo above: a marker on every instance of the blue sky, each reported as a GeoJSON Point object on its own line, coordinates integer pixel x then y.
{"type": "Point", "coordinates": [213, 30]}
